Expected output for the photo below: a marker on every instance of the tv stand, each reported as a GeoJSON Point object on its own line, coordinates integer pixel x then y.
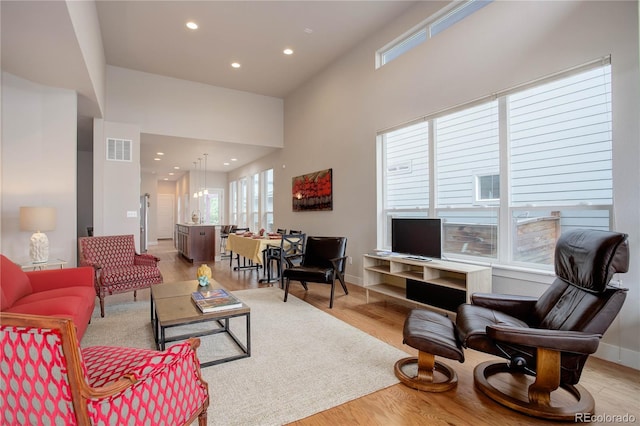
{"type": "Point", "coordinates": [439, 285]}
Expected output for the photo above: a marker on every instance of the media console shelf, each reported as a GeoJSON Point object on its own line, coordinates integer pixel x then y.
{"type": "Point", "coordinates": [438, 284]}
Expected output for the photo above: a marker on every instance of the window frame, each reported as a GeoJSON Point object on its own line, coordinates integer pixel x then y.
{"type": "Point", "coordinates": [424, 30]}
{"type": "Point", "coordinates": [503, 210]}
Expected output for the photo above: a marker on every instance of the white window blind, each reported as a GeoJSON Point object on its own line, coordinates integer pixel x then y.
{"type": "Point", "coordinates": [467, 145]}
{"type": "Point", "coordinates": [406, 174]}
{"type": "Point", "coordinates": [560, 141]}
{"type": "Point", "coordinates": [404, 46]}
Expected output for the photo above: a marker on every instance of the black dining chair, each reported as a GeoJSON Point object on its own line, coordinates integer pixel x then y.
{"type": "Point", "coordinates": [290, 245]}
{"type": "Point", "coordinates": [224, 236]}
{"type": "Point", "coordinates": [323, 261]}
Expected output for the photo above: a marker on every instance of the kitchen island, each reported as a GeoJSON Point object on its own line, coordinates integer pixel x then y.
{"type": "Point", "coordinates": [196, 242]}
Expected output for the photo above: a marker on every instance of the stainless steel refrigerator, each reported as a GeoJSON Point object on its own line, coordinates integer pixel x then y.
{"type": "Point", "coordinates": [144, 208]}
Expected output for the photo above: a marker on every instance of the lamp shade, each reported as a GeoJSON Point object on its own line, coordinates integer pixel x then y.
{"type": "Point", "coordinates": [37, 219]}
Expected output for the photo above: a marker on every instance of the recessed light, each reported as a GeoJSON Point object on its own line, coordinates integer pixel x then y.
{"type": "Point", "coordinates": [308, 30]}
{"type": "Point", "coordinates": [226, 164]}
{"type": "Point", "coordinates": [160, 153]}
{"type": "Point", "coordinates": [165, 179]}
{"type": "Point", "coordinates": [235, 65]}
{"type": "Point", "coordinates": [288, 51]}
{"type": "Point", "coordinates": [171, 173]}
{"type": "Point", "coordinates": [234, 159]}
{"type": "Point", "coordinates": [176, 167]}
{"type": "Point", "coordinates": [157, 159]}
{"type": "Point", "coordinates": [192, 25]}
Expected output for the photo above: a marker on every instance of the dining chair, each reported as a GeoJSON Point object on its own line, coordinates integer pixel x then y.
{"type": "Point", "coordinates": [290, 245]}
{"type": "Point", "coordinates": [224, 237]}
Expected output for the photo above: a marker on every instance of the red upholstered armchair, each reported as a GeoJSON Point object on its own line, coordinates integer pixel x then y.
{"type": "Point", "coordinates": [118, 268]}
{"type": "Point", "coordinates": [48, 379]}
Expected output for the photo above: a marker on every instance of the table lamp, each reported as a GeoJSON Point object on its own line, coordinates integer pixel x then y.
{"type": "Point", "coordinates": [36, 220]}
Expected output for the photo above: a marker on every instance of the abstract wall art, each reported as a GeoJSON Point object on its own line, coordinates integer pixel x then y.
{"type": "Point", "coordinates": [313, 191]}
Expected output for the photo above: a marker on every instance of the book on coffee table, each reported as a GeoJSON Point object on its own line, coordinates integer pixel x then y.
{"type": "Point", "coordinates": [215, 300]}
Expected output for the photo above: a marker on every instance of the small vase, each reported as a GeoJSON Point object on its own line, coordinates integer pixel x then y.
{"type": "Point", "coordinates": [195, 216]}
{"type": "Point", "coordinates": [203, 275]}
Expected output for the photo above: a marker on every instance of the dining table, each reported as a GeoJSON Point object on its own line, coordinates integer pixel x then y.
{"type": "Point", "coordinates": [251, 248]}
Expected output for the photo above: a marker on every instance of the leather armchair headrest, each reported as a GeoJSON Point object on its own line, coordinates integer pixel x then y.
{"type": "Point", "coordinates": [588, 258]}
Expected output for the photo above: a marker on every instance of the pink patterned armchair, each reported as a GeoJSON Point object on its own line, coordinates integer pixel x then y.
{"type": "Point", "coordinates": [48, 379]}
{"type": "Point", "coordinates": [118, 268]}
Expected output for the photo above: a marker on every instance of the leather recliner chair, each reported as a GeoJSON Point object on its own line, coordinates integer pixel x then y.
{"type": "Point", "coordinates": [549, 337]}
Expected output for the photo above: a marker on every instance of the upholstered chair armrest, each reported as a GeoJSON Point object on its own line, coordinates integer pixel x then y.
{"type": "Point", "coordinates": [147, 385]}
{"type": "Point", "coordinates": [558, 340]}
{"type": "Point", "coordinates": [290, 258]}
{"type": "Point", "coordinates": [58, 278]}
{"type": "Point", "coordinates": [145, 259]}
{"type": "Point", "coordinates": [520, 307]}
{"type": "Point", "coordinates": [94, 265]}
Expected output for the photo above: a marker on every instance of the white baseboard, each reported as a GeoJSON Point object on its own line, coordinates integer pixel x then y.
{"type": "Point", "coordinates": [353, 279]}
{"type": "Point", "coordinates": [618, 355]}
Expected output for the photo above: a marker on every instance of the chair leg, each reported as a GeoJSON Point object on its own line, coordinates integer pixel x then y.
{"type": "Point", "coordinates": [343, 284]}
{"type": "Point", "coordinates": [286, 288]}
{"type": "Point", "coordinates": [102, 306]}
{"type": "Point", "coordinates": [333, 288]}
{"type": "Point", "coordinates": [304, 285]}
{"type": "Point", "coordinates": [135, 294]}
{"type": "Point", "coordinates": [202, 418]}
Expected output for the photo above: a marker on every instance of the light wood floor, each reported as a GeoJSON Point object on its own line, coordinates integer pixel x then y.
{"type": "Point", "coordinates": [615, 388]}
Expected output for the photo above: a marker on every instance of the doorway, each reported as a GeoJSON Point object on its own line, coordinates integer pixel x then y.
{"type": "Point", "coordinates": [166, 222]}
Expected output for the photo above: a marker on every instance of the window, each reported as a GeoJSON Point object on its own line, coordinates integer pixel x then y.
{"type": "Point", "coordinates": [509, 173]}
{"type": "Point", "coordinates": [213, 206]}
{"type": "Point", "coordinates": [255, 203]}
{"type": "Point", "coordinates": [487, 188]}
{"type": "Point", "coordinates": [233, 202]}
{"type": "Point", "coordinates": [456, 16]}
{"type": "Point", "coordinates": [267, 209]}
{"type": "Point", "coordinates": [405, 178]}
{"type": "Point", "coordinates": [443, 19]}
{"type": "Point", "coordinates": [243, 203]}
{"type": "Point", "coordinates": [251, 201]}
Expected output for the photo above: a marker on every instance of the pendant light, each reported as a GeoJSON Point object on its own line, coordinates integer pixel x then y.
{"type": "Point", "coordinates": [195, 193]}
{"type": "Point", "coordinates": [199, 176]}
{"type": "Point", "coordinates": [206, 191]}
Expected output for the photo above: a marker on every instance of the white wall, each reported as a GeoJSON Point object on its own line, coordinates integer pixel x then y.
{"type": "Point", "coordinates": [84, 18]}
{"type": "Point", "coordinates": [172, 107]}
{"type": "Point", "coordinates": [85, 192]}
{"type": "Point", "coordinates": [116, 184]}
{"type": "Point", "coordinates": [332, 121]}
{"type": "Point", "coordinates": [38, 164]}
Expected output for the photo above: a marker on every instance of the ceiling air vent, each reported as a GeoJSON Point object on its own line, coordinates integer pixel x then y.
{"type": "Point", "coordinates": [118, 149]}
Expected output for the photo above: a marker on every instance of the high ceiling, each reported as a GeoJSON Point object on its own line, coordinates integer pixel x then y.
{"type": "Point", "coordinates": [151, 36]}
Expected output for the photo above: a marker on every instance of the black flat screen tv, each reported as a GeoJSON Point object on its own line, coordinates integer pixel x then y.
{"type": "Point", "coordinates": [419, 237]}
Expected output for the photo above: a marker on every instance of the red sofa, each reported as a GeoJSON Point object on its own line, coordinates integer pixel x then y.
{"type": "Point", "coordinates": [66, 293]}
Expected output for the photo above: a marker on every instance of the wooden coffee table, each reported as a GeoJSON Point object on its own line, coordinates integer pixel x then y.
{"type": "Point", "coordinates": [171, 306]}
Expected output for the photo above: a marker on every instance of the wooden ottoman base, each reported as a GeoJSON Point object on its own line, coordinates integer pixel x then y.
{"type": "Point", "coordinates": [431, 334]}
{"type": "Point", "coordinates": [424, 380]}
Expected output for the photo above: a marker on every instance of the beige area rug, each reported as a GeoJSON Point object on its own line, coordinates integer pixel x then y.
{"type": "Point", "coordinates": [303, 360]}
